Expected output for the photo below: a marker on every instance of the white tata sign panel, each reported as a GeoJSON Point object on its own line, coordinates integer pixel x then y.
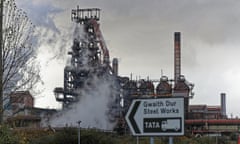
{"type": "Point", "coordinates": [156, 117]}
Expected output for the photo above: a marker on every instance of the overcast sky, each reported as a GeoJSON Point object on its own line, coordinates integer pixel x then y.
{"type": "Point", "coordinates": [140, 34]}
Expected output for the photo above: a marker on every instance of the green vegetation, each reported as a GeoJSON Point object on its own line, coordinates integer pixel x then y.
{"type": "Point", "coordinates": [6, 136]}
{"type": "Point", "coordinates": [70, 136]}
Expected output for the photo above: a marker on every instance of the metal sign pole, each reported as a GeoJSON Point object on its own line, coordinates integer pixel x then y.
{"type": "Point", "coordinates": [151, 140]}
{"type": "Point", "coordinates": [137, 140]}
{"type": "Point", "coordinates": [238, 139]}
{"type": "Point", "coordinates": [170, 140]}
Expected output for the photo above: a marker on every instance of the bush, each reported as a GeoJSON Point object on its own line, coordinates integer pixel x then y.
{"type": "Point", "coordinates": [7, 136]}
{"type": "Point", "coordinates": [67, 136]}
{"type": "Point", "coordinates": [43, 140]}
{"type": "Point", "coordinates": [70, 136]}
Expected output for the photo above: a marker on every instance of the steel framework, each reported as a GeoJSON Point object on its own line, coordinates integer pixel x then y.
{"type": "Point", "coordinates": [89, 56]}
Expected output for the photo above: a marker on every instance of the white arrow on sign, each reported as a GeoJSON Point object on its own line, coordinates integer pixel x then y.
{"type": "Point", "coordinates": [130, 117]}
{"type": "Point", "coordinates": [160, 117]}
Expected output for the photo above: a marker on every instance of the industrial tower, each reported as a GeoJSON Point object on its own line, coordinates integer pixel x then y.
{"type": "Point", "coordinates": [89, 57]}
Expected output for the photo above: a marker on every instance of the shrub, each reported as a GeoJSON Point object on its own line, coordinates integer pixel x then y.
{"type": "Point", "coordinates": [7, 136]}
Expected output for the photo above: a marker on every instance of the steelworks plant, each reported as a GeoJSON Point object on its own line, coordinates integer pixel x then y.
{"type": "Point", "coordinates": [90, 59]}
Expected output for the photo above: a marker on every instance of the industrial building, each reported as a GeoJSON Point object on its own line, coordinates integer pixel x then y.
{"type": "Point", "coordinates": [90, 58]}
{"type": "Point", "coordinates": [22, 112]}
{"type": "Point", "coordinates": [208, 112]}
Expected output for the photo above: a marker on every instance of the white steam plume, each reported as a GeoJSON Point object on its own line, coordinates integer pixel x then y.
{"type": "Point", "coordinates": [91, 109]}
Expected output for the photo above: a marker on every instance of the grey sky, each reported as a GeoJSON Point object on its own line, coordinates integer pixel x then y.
{"type": "Point", "coordinates": [140, 34]}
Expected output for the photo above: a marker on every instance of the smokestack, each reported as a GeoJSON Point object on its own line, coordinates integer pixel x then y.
{"type": "Point", "coordinates": [177, 55]}
{"type": "Point", "coordinates": [115, 66]}
{"type": "Point", "coordinates": [223, 105]}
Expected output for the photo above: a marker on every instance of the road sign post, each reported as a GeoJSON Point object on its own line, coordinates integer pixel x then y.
{"type": "Point", "coordinates": [156, 117]}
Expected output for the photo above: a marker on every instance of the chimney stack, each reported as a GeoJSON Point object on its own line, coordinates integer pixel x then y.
{"type": "Point", "coordinates": [115, 66]}
{"type": "Point", "coordinates": [177, 56]}
{"type": "Point", "coordinates": [223, 105]}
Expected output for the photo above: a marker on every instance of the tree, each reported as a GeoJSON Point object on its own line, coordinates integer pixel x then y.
{"type": "Point", "coordinates": [19, 65]}
{"type": "Point", "coordinates": [1, 66]}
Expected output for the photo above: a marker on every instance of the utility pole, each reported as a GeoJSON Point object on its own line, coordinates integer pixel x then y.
{"type": "Point", "coordinates": [79, 128]}
{"type": "Point", "coordinates": [1, 64]}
